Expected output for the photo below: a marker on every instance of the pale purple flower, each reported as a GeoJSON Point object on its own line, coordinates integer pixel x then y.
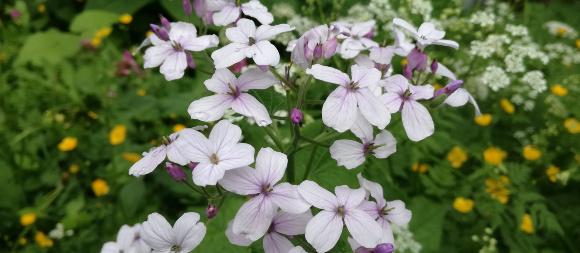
{"type": "Point", "coordinates": [358, 40]}
{"type": "Point", "coordinates": [457, 96]}
{"type": "Point", "coordinates": [426, 35]}
{"type": "Point", "coordinates": [128, 241]}
{"type": "Point", "coordinates": [168, 149]}
{"type": "Point", "coordinates": [383, 211]}
{"type": "Point", "coordinates": [351, 154]}
{"type": "Point", "coordinates": [324, 230]}
{"type": "Point", "coordinates": [216, 154]}
{"type": "Point", "coordinates": [228, 11]}
{"type": "Point", "coordinates": [249, 42]}
{"type": "Point", "coordinates": [255, 216]}
{"type": "Point", "coordinates": [171, 54]}
{"type": "Point", "coordinates": [321, 38]}
{"type": "Point", "coordinates": [297, 249]}
{"type": "Point", "coordinates": [379, 58]}
{"type": "Point", "coordinates": [184, 236]}
{"type": "Point", "coordinates": [230, 93]}
{"type": "Point", "coordinates": [402, 96]}
{"type": "Point", "coordinates": [201, 11]}
{"type": "Point", "coordinates": [340, 108]}
{"type": "Point", "coordinates": [402, 47]}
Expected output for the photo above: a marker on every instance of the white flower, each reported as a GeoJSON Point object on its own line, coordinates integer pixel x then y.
{"type": "Point", "coordinates": [483, 18]}
{"type": "Point", "coordinates": [495, 78]}
{"type": "Point", "coordinates": [516, 30]}
{"type": "Point", "coordinates": [426, 35]}
{"type": "Point", "coordinates": [358, 40]}
{"type": "Point", "coordinates": [514, 63]}
{"type": "Point", "coordinates": [227, 11]}
{"type": "Point", "coordinates": [561, 28]}
{"type": "Point", "coordinates": [529, 105]}
{"type": "Point", "coordinates": [536, 80]}
{"type": "Point", "coordinates": [184, 236]}
{"type": "Point", "coordinates": [128, 241]}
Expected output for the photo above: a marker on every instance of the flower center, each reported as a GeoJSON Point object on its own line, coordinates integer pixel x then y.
{"type": "Point", "coordinates": [266, 189]}
{"type": "Point", "coordinates": [252, 41]}
{"type": "Point", "coordinates": [352, 86]}
{"type": "Point", "coordinates": [176, 46]}
{"type": "Point", "coordinates": [214, 159]}
{"type": "Point", "coordinates": [386, 211]}
{"type": "Point", "coordinates": [340, 210]}
{"type": "Point", "coordinates": [407, 93]}
{"type": "Point", "coordinates": [176, 248]}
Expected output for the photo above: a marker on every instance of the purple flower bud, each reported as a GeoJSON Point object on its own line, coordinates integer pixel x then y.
{"type": "Point", "coordinates": [208, 18]}
{"type": "Point", "coordinates": [15, 14]}
{"type": "Point", "coordinates": [189, 57]}
{"type": "Point", "coordinates": [407, 72]}
{"type": "Point", "coordinates": [211, 211]}
{"type": "Point", "coordinates": [161, 33]}
{"type": "Point", "coordinates": [317, 52]}
{"type": "Point", "coordinates": [176, 173]}
{"type": "Point", "coordinates": [237, 68]}
{"type": "Point", "coordinates": [362, 249]}
{"type": "Point", "coordinates": [187, 7]}
{"type": "Point", "coordinates": [192, 166]}
{"type": "Point", "coordinates": [370, 35]}
{"type": "Point", "coordinates": [417, 60]}
{"type": "Point", "coordinates": [329, 48]}
{"type": "Point", "coordinates": [296, 115]}
{"type": "Point", "coordinates": [164, 22]}
{"type": "Point", "coordinates": [434, 66]}
{"type": "Point", "coordinates": [129, 59]}
{"type": "Point", "coordinates": [384, 248]}
{"type": "Point", "coordinates": [200, 7]}
{"type": "Point", "coordinates": [308, 53]}
{"type": "Point", "coordinates": [448, 89]}
{"type": "Point", "coordinates": [264, 68]}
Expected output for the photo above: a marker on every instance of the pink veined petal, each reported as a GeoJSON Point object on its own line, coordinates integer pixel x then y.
{"type": "Point", "coordinates": [371, 208]}
{"type": "Point", "coordinates": [187, 232]}
{"type": "Point", "coordinates": [210, 108]}
{"type": "Point", "coordinates": [255, 79]}
{"type": "Point", "coordinates": [397, 84]}
{"type": "Point", "coordinates": [200, 43]}
{"type": "Point", "coordinates": [427, 33]}
{"type": "Point", "coordinates": [324, 230]}
{"type": "Point", "coordinates": [375, 189]}
{"type": "Point", "coordinates": [276, 243]}
{"type": "Point", "coordinates": [111, 247]}
{"type": "Point", "coordinates": [254, 217]}
{"type": "Point", "coordinates": [244, 29]}
{"type": "Point", "coordinates": [364, 229]}
{"type": "Point", "coordinates": [156, 55]}
{"type": "Point", "coordinates": [447, 43]}
{"type": "Point", "coordinates": [217, 5]}
{"type": "Point", "coordinates": [266, 54]}
{"type": "Point", "coordinates": [206, 173]}
{"type": "Point", "coordinates": [291, 224]}
{"type": "Point", "coordinates": [421, 92]}
{"type": "Point", "coordinates": [400, 215]}
{"type": "Point", "coordinates": [340, 109]}
{"type": "Point", "coordinates": [157, 232]}
{"type": "Point", "coordinates": [365, 76]}
{"type": "Point", "coordinates": [174, 66]}
{"type": "Point", "coordinates": [387, 231]}
{"type": "Point", "coordinates": [349, 198]}
{"type": "Point", "coordinates": [389, 143]}
{"type": "Point", "coordinates": [247, 105]}
{"type": "Point", "coordinates": [242, 181]}
{"type": "Point", "coordinates": [417, 121]}
{"type": "Point", "coordinates": [229, 55]}
{"type": "Point", "coordinates": [382, 55]}
{"type": "Point", "coordinates": [368, 43]}
{"type": "Point", "coordinates": [318, 196]}
{"type": "Point", "coordinates": [392, 100]}
{"type": "Point", "coordinates": [149, 162]}
{"type": "Point", "coordinates": [174, 155]}
{"type": "Point", "coordinates": [181, 30]}
{"type": "Point", "coordinates": [235, 156]}
{"type": "Point", "coordinates": [264, 32]}
{"type": "Point", "coordinates": [270, 166]}
{"type": "Point", "coordinates": [362, 128]}
{"type": "Point", "coordinates": [350, 48]}
{"type": "Point", "coordinates": [218, 83]}
{"type": "Point", "coordinates": [227, 15]}
{"type": "Point", "coordinates": [405, 25]}
{"type": "Point", "coordinates": [363, 28]}
{"type": "Point", "coordinates": [372, 108]}
{"type": "Point", "coordinates": [224, 134]}
{"type": "Point", "coordinates": [297, 249]}
{"type": "Point", "coordinates": [125, 237]}
{"type": "Point", "coordinates": [347, 153]}
{"type": "Point", "coordinates": [328, 74]}
{"type": "Point", "coordinates": [354, 245]}
{"type": "Point", "coordinates": [239, 240]}
{"type": "Point", "coordinates": [364, 60]}
{"type": "Point", "coordinates": [458, 98]}
{"type": "Point", "coordinates": [147, 42]}
{"type": "Point", "coordinates": [257, 10]}
{"type": "Point", "coordinates": [193, 145]}
{"type": "Point", "coordinates": [286, 197]}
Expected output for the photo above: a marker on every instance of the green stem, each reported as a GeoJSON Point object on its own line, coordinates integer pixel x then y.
{"type": "Point", "coordinates": [277, 141]}
{"type": "Point", "coordinates": [313, 102]}
{"type": "Point", "coordinates": [195, 189]}
{"type": "Point", "coordinates": [291, 151]}
{"type": "Point", "coordinates": [304, 138]}
{"type": "Point", "coordinates": [207, 193]}
{"type": "Point", "coordinates": [222, 201]}
{"type": "Point", "coordinates": [204, 71]}
{"type": "Point", "coordinates": [280, 117]}
{"type": "Point", "coordinates": [418, 78]}
{"type": "Point", "coordinates": [302, 92]}
{"type": "Point", "coordinates": [283, 80]}
{"type": "Point", "coordinates": [322, 138]}
{"type": "Point", "coordinates": [304, 245]}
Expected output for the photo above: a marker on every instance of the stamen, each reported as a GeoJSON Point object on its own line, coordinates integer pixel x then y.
{"type": "Point", "coordinates": [176, 248]}
{"type": "Point", "coordinates": [252, 41]}
{"type": "Point", "coordinates": [214, 159]}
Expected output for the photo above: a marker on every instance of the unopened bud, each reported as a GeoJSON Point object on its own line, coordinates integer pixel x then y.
{"type": "Point", "coordinates": [438, 101]}
{"type": "Point", "coordinates": [15, 14]}
{"type": "Point", "coordinates": [192, 166]}
{"type": "Point", "coordinates": [384, 248]}
{"type": "Point", "coordinates": [434, 66]}
{"type": "Point", "coordinates": [176, 172]}
{"type": "Point", "coordinates": [211, 211]}
{"type": "Point", "coordinates": [449, 89]}
{"type": "Point", "coordinates": [370, 35]}
{"type": "Point", "coordinates": [187, 7]}
{"type": "Point", "coordinates": [164, 22]}
{"type": "Point", "coordinates": [160, 32]}
{"type": "Point", "coordinates": [407, 72]}
{"type": "Point", "coordinates": [296, 115]}
{"type": "Point", "coordinates": [329, 48]}
{"type": "Point", "coordinates": [308, 53]}
{"type": "Point", "coordinates": [317, 52]}
{"type": "Point", "coordinates": [417, 60]}
{"type": "Point", "coordinates": [362, 249]}
{"type": "Point", "coordinates": [199, 6]}
{"type": "Point", "coordinates": [189, 57]}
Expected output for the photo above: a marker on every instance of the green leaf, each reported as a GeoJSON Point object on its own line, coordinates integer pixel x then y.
{"type": "Point", "coordinates": [132, 196]}
{"type": "Point", "coordinates": [75, 206]}
{"type": "Point", "coordinates": [50, 47]}
{"type": "Point", "coordinates": [117, 6]}
{"type": "Point", "coordinates": [427, 223]}
{"type": "Point", "coordinates": [89, 22]}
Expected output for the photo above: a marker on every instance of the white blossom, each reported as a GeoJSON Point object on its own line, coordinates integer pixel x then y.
{"type": "Point", "coordinates": [495, 77]}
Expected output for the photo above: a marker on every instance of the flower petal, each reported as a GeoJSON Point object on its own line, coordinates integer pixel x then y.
{"type": "Point", "coordinates": [257, 10]}
{"type": "Point", "coordinates": [291, 224]}
{"type": "Point", "coordinates": [229, 55]}
{"type": "Point", "coordinates": [364, 60]}
{"type": "Point", "coordinates": [286, 196]}
{"type": "Point", "coordinates": [372, 108]}
{"type": "Point", "coordinates": [227, 15]}
{"type": "Point", "coordinates": [400, 215]}
{"type": "Point", "coordinates": [371, 208]}
{"type": "Point", "coordinates": [365, 76]}
{"type": "Point", "coordinates": [206, 173]}
{"type": "Point", "coordinates": [193, 145]}
{"type": "Point", "coordinates": [242, 181]}
{"type": "Point", "coordinates": [219, 81]}
{"type": "Point", "coordinates": [265, 31]}
{"type": "Point", "coordinates": [297, 249]}
{"type": "Point", "coordinates": [125, 237]}
{"type": "Point", "coordinates": [174, 66]}
{"type": "Point", "coordinates": [349, 198]}
{"type": "Point", "coordinates": [458, 98]}
{"type": "Point", "coordinates": [324, 230]}
{"type": "Point", "coordinates": [157, 232]}
{"type": "Point", "coordinates": [149, 162]}
{"type": "Point", "coordinates": [156, 55]}
{"type": "Point", "coordinates": [392, 100]}
{"type": "Point", "coordinates": [339, 110]}
{"type": "Point", "coordinates": [188, 233]}
{"type": "Point", "coordinates": [255, 79]}
{"type": "Point", "coordinates": [362, 128]}
{"type": "Point", "coordinates": [396, 84]}
{"type": "Point", "coordinates": [210, 108]}
{"type": "Point", "coordinates": [200, 43]}
{"type": "Point", "coordinates": [389, 143]}
{"type": "Point", "coordinates": [244, 29]}
{"type": "Point", "coordinates": [364, 229]}
{"type": "Point", "coordinates": [247, 105]}
{"type": "Point", "coordinates": [447, 43]}
{"type": "Point", "coordinates": [224, 134]}
{"type": "Point", "coordinates": [239, 240]}
{"type": "Point", "coordinates": [427, 33]}
{"type": "Point", "coordinates": [405, 25]}
{"type": "Point", "coordinates": [421, 92]}
{"type": "Point", "coordinates": [417, 121]}
{"type": "Point", "coordinates": [271, 166]}
{"type": "Point", "coordinates": [254, 217]}
{"type": "Point", "coordinates": [375, 189]}
{"type": "Point", "coordinates": [276, 243]}
{"type": "Point", "coordinates": [111, 247]}
{"type": "Point", "coordinates": [181, 30]}
{"type": "Point", "coordinates": [236, 156]}
{"type": "Point", "coordinates": [347, 153]}
{"type": "Point", "coordinates": [328, 74]}
{"type": "Point", "coordinates": [382, 55]}
{"type": "Point", "coordinates": [266, 54]}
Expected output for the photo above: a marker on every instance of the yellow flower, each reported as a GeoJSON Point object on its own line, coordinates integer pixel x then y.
{"type": "Point", "coordinates": [93, 115]}
{"type": "Point", "coordinates": [404, 61]}
{"type": "Point", "coordinates": [141, 92]}
{"type": "Point", "coordinates": [531, 153]}
{"type": "Point", "coordinates": [507, 106]}
{"type": "Point", "coordinates": [567, 65]}
{"type": "Point", "coordinates": [103, 32]}
{"type": "Point", "coordinates": [43, 240]}
{"type": "Point", "coordinates": [527, 224]}
{"type": "Point", "coordinates": [437, 86]}
{"type": "Point", "coordinates": [68, 144]}
{"type": "Point", "coordinates": [74, 169]}
{"type": "Point", "coordinates": [22, 241]}
{"type": "Point", "coordinates": [178, 127]}
{"type": "Point", "coordinates": [132, 157]}
{"type": "Point", "coordinates": [552, 171]}
{"type": "Point", "coordinates": [494, 155]}
{"type": "Point", "coordinates": [126, 18]}
{"type": "Point", "coordinates": [484, 120]}
{"type": "Point", "coordinates": [100, 187]}
{"type": "Point", "coordinates": [578, 43]}
{"type": "Point", "coordinates": [463, 205]}
{"type": "Point", "coordinates": [41, 8]}
{"type": "Point", "coordinates": [422, 168]}
{"type": "Point", "coordinates": [497, 189]}
{"type": "Point", "coordinates": [27, 219]}
{"type": "Point", "coordinates": [559, 90]}
{"type": "Point", "coordinates": [118, 134]}
{"type": "Point", "coordinates": [96, 41]}
{"type": "Point", "coordinates": [457, 157]}
{"type": "Point", "coordinates": [572, 125]}
{"type": "Point", "coordinates": [561, 31]}
{"type": "Point", "coordinates": [172, 116]}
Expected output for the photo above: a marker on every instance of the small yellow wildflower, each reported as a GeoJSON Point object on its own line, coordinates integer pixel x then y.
{"type": "Point", "coordinates": [561, 31]}
{"type": "Point", "coordinates": [572, 125]}
{"type": "Point", "coordinates": [527, 224]}
{"type": "Point", "coordinates": [497, 189]}
{"type": "Point", "coordinates": [484, 120]}
{"type": "Point", "coordinates": [118, 134]}
{"type": "Point", "coordinates": [41, 8]}
{"type": "Point", "coordinates": [578, 43]}
{"type": "Point", "coordinates": [100, 187]}
{"type": "Point", "coordinates": [552, 171]}
{"type": "Point", "coordinates": [68, 144]}
{"type": "Point", "coordinates": [559, 90]}
{"type": "Point", "coordinates": [22, 241]}
{"type": "Point", "coordinates": [404, 61]}
{"type": "Point", "coordinates": [141, 92]}
{"type": "Point", "coordinates": [126, 18]}
{"type": "Point", "coordinates": [93, 115]}
{"type": "Point", "coordinates": [43, 240]}
{"type": "Point", "coordinates": [531, 153]}
{"type": "Point", "coordinates": [95, 41]}
{"type": "Point", "coordinates": [103, 32]}
{"type": "Point", "coordinates": [507, 106]}
{"type": "Point", "coordinates": [567, 65]}
{"type": "Point", "coordinates": [27, 219]}
{"type": "Point", "coordinates": [172, 116]}
{"type": "Point", "coordinates": [422, 168]}
{"type": "Point", "coordinates": [437, 86]}
{"type": "Point", "coordinates": [457, 157]}
{"type": "Point", "coordinates": [132, 157]}
{"type": "Point", "coordinates": [74, 169]}
{"type": "Point", "coordinates": [178, 127]}
{"type": "Point", "coordinates": [463, 205]}
{"type": "Point", "coordinates": [494, 155]}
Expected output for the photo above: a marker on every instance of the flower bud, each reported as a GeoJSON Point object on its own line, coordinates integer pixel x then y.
{"type": "Point", "coordinates": [161, 33]}
{"type": "Point", "coordinates": [199, 6]}
{"type": "Point", "coordinates": [384, 248]}
{"type": "Point", "coordinates": [192, 166]}
{"type": "Point", "coordinates": [417, 60]}
{"type": "Point", "coordinates": [370, 35]}
{"type": "Point", "coordinates": [164, 22]}
{"type": "Point", "coordinates": [434, 66]}
{"type": "Point", "coordinates": [189, 57]}
{"type": "Point", "coordinates": [237, 68]}
{"type": "Point", "coordinates": [362, 249]}
{"type": "Point", "coordinates": [449, 89]}
{"type": "Point", "coordinates": [187, 7]}
{"type": "Point", "coordinates": [407, 72]}
{"type": "Point", "coordinates": [211, 211]}
{"type": "Point", "coordinates": [176, 173]}
{"type": "Point", "coordinates": [317, 52]}
{"type": "Point", "coordinates": [330, 48]}
{"type": "Point", "coordinates": [296, 115]}
{"type": "Point", "coordinates": [308, 53]}
{"type": "Point", "coordinates": [14, 14]}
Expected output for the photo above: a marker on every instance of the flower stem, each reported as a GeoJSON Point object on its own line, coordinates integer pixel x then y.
{"type": "Point", "coordinates": [283, 80]}
{"type": "Point", "coordinates": [279, 117]}
{"type": "Point", "coordinates": [195, 189]}
{"type": "Point", "coordinates": [313, 102]}
{"type": "Point", "coordinates": [277, 141]}
{"type": "Point", "coordinates": [304, 245]}
{"type": "Point", "coordinates": [317, 143]}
